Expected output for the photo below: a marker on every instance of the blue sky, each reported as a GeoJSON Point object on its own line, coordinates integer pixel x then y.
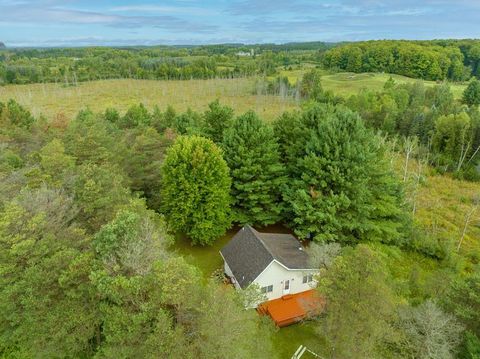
{"type": "Point", "coordinates": [108, 22]}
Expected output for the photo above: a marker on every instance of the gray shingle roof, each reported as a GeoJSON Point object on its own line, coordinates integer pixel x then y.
{"type": "Point", "coordinates": [249, 252]}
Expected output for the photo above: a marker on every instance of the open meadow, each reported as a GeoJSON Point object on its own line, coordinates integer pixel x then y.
{"type": "Point", "coordinates": [51, 99]}
{"type": "Point", "coordinates": [349, 83]}
{"type": "Point", "coordinates": [55, 98]}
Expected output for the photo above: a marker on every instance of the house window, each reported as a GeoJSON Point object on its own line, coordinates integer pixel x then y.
{"type": "Point", "coordinates": [307, 278]}
{"type": "Point", "coordinates": [267, 289]}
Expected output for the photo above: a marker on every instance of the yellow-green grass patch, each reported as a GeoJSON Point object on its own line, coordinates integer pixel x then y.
{"type": "Point", "coordinates": [52, 99]}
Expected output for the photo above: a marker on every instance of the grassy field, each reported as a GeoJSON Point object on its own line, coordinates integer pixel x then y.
{"type": "Point", "coordinates": [349, 83]}
{"type": "Point", "coordinates": [443, 205]}
{"type": "Point", "coordinates": [52, 99]}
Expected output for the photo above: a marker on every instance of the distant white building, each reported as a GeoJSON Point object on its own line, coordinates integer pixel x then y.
{"type": "Point", "coordinates": [245, 53]}
{"type": "Point", "coordinates": [276, 262]}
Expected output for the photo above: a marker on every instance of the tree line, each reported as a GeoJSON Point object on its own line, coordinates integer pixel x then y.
{"type": "Point", "coordinates": [455, 60]}
{"type": "Point", "coordinates": [69, 66]}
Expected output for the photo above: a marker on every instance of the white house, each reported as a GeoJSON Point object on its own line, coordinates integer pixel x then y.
{"type": "Point", "coordinates": [276, 262]}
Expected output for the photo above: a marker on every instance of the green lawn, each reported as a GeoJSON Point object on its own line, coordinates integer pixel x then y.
{"type": "Point", "coordinates": [207, 258]}
{"type": "Point", "coordinates": [288, 339]}
{"type": "Point", "coordinates": [349, 83]}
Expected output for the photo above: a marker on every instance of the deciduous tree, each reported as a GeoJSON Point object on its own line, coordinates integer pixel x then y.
{"type": "Point", "coordinates": [47, 304]}
{"type": "Point", "coordinates": [195, 189]}
{"type": "Point", "coordinates": [428, 332]}
{"type": "Point", "coordinates": [360, 305]}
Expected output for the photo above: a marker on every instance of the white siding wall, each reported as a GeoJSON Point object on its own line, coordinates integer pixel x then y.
{"type": "Point", "coordinates": [229, 273]}
{"type": "Point", "coordinates": [275, 274]}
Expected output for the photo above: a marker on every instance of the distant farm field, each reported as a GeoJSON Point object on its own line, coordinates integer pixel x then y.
{"type": "Point", "coordinates": [51, 99]}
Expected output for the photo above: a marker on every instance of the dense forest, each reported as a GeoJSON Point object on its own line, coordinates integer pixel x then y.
{"type": "Point", "coordinates": [71, 65]}
{"type": "Point", "coordinates": [455, 60]}
{"type": "Point", "coordinates": [90, 207]}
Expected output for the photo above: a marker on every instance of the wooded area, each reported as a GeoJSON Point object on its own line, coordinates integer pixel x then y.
{"type": "Point", "coordinates": [91, 206]}
{"type": "Point", "coordinates": [455, 60]}
{"type": "Point", "coordinates": [69, 66]}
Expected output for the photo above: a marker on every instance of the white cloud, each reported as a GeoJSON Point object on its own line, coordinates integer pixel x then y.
{"type": "Point", "coordinates": [189, 10]}
{"type": "Point", "coordinates": [57, 16]}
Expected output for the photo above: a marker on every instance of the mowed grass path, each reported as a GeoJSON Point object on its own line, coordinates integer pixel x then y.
{"type": "Point", "coordinates": [52, 99]}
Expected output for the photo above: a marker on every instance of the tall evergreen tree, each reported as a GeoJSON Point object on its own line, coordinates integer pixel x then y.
{"type": "Point", "coordinates": [189, 122]}
{"type": "Point", "coordinates": [90, 138]}
{"type": "Point", "coordinates": [136, 115]}
{"type": "Point", "coordinates": [252, 153]}
{"type": "Point", "coordinates": [340, 186]}
{"type": "Point", "coordinates": [99, 191]}
{"type": "Point", "coordinates": [471, 95]}
{"type": "Point", "coordinates": [195, 189]}
{"type": "Point", "coordinates": [216, 119]}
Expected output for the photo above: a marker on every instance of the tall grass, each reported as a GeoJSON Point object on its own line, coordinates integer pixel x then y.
{"type": "Point", "coordinates": [52, 99]}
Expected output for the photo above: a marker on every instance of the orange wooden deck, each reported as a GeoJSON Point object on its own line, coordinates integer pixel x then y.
{"type": "Point", "coordinates": [292, 308]}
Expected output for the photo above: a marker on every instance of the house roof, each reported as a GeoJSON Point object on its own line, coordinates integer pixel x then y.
{"type": "Point", "coordinates": [249, 252]}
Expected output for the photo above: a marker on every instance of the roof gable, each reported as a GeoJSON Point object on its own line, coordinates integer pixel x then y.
{"type": "Point", "coordinates": [246, 256]}
{"type": "Point", "coordinates": [249, 252]}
